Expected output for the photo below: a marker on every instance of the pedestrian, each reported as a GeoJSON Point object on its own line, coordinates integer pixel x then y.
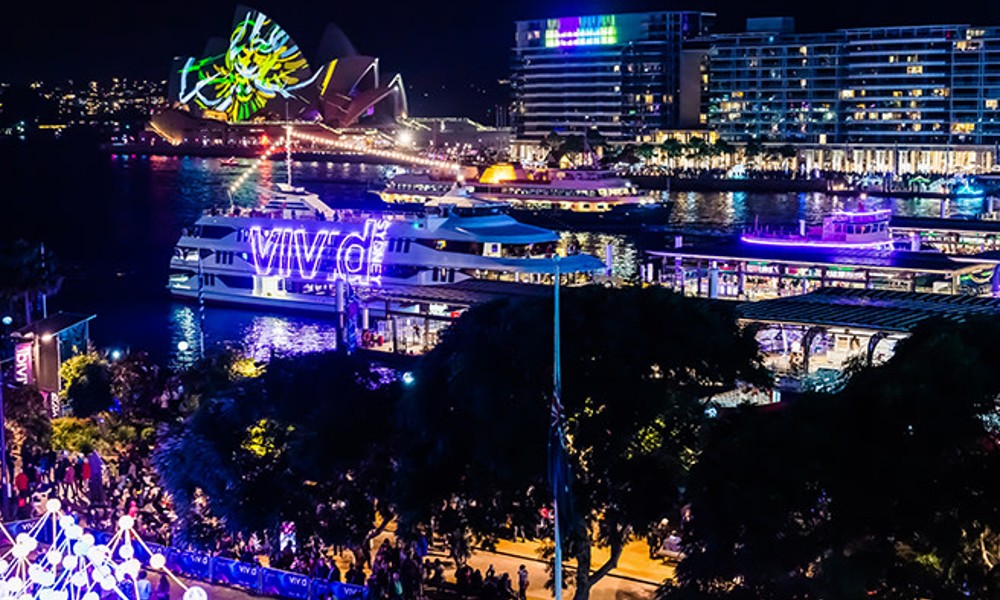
{"type": "Point", "coordinates": [143, 588]}
{"type": "Point", "coordinates": [163, 588]}
{"type": "Point", "coordinates": [522, 582]}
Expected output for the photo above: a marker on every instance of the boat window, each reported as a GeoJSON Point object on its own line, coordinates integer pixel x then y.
{"type": "Point", "coordinates": [406, 245]}
{"type": "Point", "coordinates": [392, 244]}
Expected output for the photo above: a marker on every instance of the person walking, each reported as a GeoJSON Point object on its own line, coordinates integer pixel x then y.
{"type": "Point", "coordinates": [163, 588]}
{"type": "Point", "coordinates": [143, 588]}
{"type": "Point", "coordinates": [522, 583]}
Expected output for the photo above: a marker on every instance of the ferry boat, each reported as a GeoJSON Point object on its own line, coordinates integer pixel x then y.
{"type": "Point", "coordinates": [578, 191]}
{"type": "Point", "coordinates": [294, 251]}
{"type": "Point", "coordinates": [863, 229]}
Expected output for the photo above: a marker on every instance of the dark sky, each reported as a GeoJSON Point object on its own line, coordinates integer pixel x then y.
{"type": "Point", "coordinates": [452, 52]}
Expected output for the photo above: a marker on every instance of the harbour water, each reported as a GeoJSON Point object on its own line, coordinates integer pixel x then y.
{"type": "Point", "coordinates": [113, 220]}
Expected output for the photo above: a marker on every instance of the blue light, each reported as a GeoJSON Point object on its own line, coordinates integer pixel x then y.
{"type": "Point", "coordinates": [116, 354]}
{"type": "Point", "coordinates": [7, 319]}
{"type": "Point", "coordinates": [408, 378]}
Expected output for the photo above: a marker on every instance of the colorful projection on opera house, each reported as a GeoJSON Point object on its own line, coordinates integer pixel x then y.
{"type": "Point", "coordinates": [354, 257]}
{"type": "Point", "coordinates": [261, 63]}
{"type": "Point", "coordinates": [599, 30]}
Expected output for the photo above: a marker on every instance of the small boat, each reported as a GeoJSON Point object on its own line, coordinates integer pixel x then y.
{"type": "Point", "coordinates": [229, 162]}
{"type": "Point", "coordinates": [862, 229]}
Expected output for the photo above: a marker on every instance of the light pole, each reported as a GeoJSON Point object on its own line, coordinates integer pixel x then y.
{"type": "Point", "coordinates": [4, 486]}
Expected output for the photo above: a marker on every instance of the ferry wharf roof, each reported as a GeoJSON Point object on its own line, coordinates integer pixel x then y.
{"type": "Point", "coordinates": [870, 310]}
{"type": "Point", "coordinates": [890, 260]}
{"type": "Point", "coordinates": [944, 225]}
{"type": "Point", "coordinates": [464, 293]}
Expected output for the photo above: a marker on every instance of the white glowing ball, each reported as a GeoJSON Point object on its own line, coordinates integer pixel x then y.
{"type": "Point", "coordinates": [108, 583]}
{"type": "Point", "coordinates": [132, 566]}
{"type": "Point", "coordinates": [53, 556]}
{"type": "Point", "coordinates": [15, 583]}
{"type": "Point", "coordinates": [125, 522]}
{"type": "Point", "coordinates": [22, 538]}
{"type": "Point", "coordinates": [79, 579]}
{"type": "Point", "coordinates": [35, 573]}
{"type": "Point", "coordinates": [20, 551]}
{"type": "Point", "coordinates": [126, 551]}
{"type": "Point", "coordinates": [75, 532]}
{"type": "Point", "coordinates": [157, 561]}
{"type": "Point", "coordinates": [67, 521]}
{"type": "Point", "coordinates": [87, 538]}
{"type": "Point", "coordinates": [4, 565]}
{"type": "Point", "coordinates": [26, 597]}
{"type": "Point", "coordinates": [60, 595]}
{"type": "Point", "coordinates": [53, 505]}
{"type": "Point", "coordinates": [44, 594]}
{"type": "Point", "coordinates": [69, 561]}
{"type": "Point", "coordinates": [91, 596]}
{"type": "Point", "coordinates": [195, 593]}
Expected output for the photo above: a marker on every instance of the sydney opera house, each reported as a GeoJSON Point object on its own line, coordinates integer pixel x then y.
{"type": "Point", "coordinates": [260, 75]}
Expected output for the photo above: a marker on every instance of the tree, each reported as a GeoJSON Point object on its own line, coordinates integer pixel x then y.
{"type": "Point", "coordinates": [477, 416]}
{"type": "Point", "coordinates": [309, 440]}
{"type": "Point", "coordinates": [25, 272]}
{"type": "Point", "coordinates": [26, 415]}
{"type": "Point", "coordinates": [87, 379]}
{"type": "Point", "coordinates": [885, 490]}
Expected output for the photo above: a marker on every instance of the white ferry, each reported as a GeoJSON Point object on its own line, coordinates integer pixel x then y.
{"type": "Point", "coordinates": [583, 190]}
{"type": "Point", "coordinates": [292, 252]}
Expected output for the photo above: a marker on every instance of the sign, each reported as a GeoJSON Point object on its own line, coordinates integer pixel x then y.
{"type": "Point", "coordinates": [227, 571]}
{"type": "Point", "coordinates": [355, 257]}
{"type": "Point", "coordinates": [23, 367]}
{"type": "Point", "coordinates": [284, 584]}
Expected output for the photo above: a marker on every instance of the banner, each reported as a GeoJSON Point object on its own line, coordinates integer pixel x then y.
{"type": "Point", "coordinates": [226, 571]}
{"type": "Point", "coordinates": [337, 590]}
{"type": "Point", "coordinates": [284, 584]}
{"type": "Point", "coordinates": [190, 564]}
{"type": "Point", "coordinates": [24, 372]}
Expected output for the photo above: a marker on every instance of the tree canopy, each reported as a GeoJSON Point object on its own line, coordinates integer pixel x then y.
{"type": "Point", "coordinates": [885, 490]}
{"type": "Point", "coordinates": [637, 367]}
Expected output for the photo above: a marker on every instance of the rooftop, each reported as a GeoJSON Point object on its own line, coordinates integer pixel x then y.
{"type": "Point", "coordinates": [872, 310]}
{"type": "Point", "coordinates": [52, 325]}
{"type": "Point", "coordinates": [945, 225]}
{"type": "Point", "coordinates": [896, 260]}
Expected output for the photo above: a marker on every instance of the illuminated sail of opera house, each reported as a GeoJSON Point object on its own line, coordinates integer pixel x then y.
{"type": "Point", "coordinates": [261, 75]}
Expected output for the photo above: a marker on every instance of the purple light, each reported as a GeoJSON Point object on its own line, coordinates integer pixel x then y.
{"type": "Point", "coordinates": [791, 243]}
{"type": "Point", "coordinates": [283, 250]}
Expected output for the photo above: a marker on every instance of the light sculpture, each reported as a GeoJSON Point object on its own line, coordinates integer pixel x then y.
{"type": "Point", "coordinates": [56, 559]}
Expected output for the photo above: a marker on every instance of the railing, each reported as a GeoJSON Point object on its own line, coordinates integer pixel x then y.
{"type": "Point", "coordinates": [227, 572]}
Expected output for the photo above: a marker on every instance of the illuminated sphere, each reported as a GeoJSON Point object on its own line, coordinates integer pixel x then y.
{"type": "Point", "coordinates": [66, 521]}
{"type": "Point", "coordinates": [26, 597]}
{"type": "Point", "coordinates": [125, 522]}
{"type": "Point", "coordinates": [195, 593]}
{"type": "Point", "coordinates": [75, 532]}
{"type": "Point", "coordinates": [53, 505]}
{"type": "Point", "coordinates": [79, 549]}
{"type": "Point", "coordinates": [54, 556]}
{"type": "Point", "coordinates": [108, 583]}
{"type": "Point", "coordinates": [35, 573]}
{"type": "Point", "coordinates": [157, 561]}
{"type": "Point", "coordinates": [132, 566]}
{"type": "Point", "coordinates": [126, 551]}
{"type": "Point", "coordinates": [69, 561]}
{"type": "Point", "coordinates": [91, 596]}
{"type": "Point", "coordinates": [60, 595]}
{"type": "Point", "coordinates": [88, 538]}
{"type": "Point", "coordinates": [22, 538]}
{"type": "Point", "coordinates": [79, 579]}
{"type": "Point", "coordinates": [182, 346]}
{"type": "Point", "coordinates": [15, 583]}
{"type": "Point", "coordinates": [3, 568]}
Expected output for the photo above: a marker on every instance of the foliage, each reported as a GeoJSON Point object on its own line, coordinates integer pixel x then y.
{"type": "Point", "coordinates": [884, 490]}
{"type": "Point", "coordinates": [477, 418]}
{"type": "Point", "coordinates": [136, 384]}
{"type": "Point", "coordinates": [308, 440]}
{"type": "Point", "coordinates": [74, 434]}
{"type": "Point", "coordinates": [108, 433]}
{"type": "Point", "coordinates": [26, 415]}
{"type": "Point", "coordinates": [87, 380]}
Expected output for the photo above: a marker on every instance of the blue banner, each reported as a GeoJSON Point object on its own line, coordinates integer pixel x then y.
{"type": "Point", "coordinates": [190, 564]}
{"type": "Point", "coordinates": [226, 571]}
{"type": "Point", "coordinates": [337, 590]}
{"type": "Point", "coordinates": [284, 584]}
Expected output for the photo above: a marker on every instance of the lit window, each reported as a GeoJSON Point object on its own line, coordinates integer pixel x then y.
{"type": "Point", "coordinates": [992, 103]}
{"type": "Point", "coordinates": [915, 70]}
{"type": "Point", "coordinates": [846, 93]}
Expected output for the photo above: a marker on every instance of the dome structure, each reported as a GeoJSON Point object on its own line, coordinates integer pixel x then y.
{"type": "Point", "coordinates": [262, 74]}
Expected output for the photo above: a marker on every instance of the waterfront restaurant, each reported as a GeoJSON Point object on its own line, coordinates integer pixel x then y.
{"type": "Point", "coordinates": [738, 270]}
{"type": "Point", "coordinates": [804, 336]}
{"type": "Point", "coordinates": [951, 236]}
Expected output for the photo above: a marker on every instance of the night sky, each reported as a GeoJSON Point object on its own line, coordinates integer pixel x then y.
{"type": "Point", "coordinates": [450, 54]}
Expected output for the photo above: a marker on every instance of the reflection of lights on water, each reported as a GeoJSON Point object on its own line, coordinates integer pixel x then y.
{"type": "Point", "coordinates": [268, 335]}
{"type": "Point", "coordinates": [184, 335]}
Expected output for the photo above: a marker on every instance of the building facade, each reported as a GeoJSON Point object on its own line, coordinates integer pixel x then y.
{"type": "Point", "coordinates": [888, 86]}
{"type": "Point", "coordinates": [622, 74]}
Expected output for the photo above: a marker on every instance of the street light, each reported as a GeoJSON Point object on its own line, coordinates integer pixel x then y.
{"type": "Point", "coordinates": [408, 378]}
{"type": "Point", "coordinates": [182, 346]}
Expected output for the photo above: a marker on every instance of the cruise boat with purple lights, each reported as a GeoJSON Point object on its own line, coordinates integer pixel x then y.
{"type": "Point", "coordinates": [863, 229]}
{"type": "Point", "coordinates": [295, 251]}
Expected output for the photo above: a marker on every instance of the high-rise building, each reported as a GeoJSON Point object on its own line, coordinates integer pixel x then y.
{"type": "Point", "coordinates": [622, 74]}
{"type": "Point", "coordinates": [906, 85]}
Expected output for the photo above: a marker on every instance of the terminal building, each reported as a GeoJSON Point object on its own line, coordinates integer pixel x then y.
{"type": "Point", "coordinates": [623, 74]}
{"type": "Point", "coordinates": [905, 99]}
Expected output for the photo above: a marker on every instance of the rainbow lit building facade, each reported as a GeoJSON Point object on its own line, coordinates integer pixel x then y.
{"type": "Point", "coordinates": [622, 74]}
{"type": "Point", "coordinates": [259, 73]}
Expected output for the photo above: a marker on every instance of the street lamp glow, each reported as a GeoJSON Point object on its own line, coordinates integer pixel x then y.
{"type": "Point", "coordinates": [183, 346]}
{"type": "Point", "coordinates": [116, 354]}
{"type": "Point", "coordinates": [7, 319]}
{"type": "Point", "coordinates": [408, 378]}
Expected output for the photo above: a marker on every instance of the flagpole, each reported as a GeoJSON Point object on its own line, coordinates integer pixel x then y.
{"type": "Point", "coordinates": [201, 307]}
{"type": "Point", "coordinates": [557, 424]}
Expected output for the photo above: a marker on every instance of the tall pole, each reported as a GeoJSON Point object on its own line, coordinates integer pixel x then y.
{"type": "Point", "coordinates": [201, 307]}
{"type": "Point", "coordinates": [4, 487]}
{"type": "Point", "coordinates": [556, 445]}
{"type": "Point", "coordinates": [45, 307]}
{"type": "Point", "coordinates": [288, 149]}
